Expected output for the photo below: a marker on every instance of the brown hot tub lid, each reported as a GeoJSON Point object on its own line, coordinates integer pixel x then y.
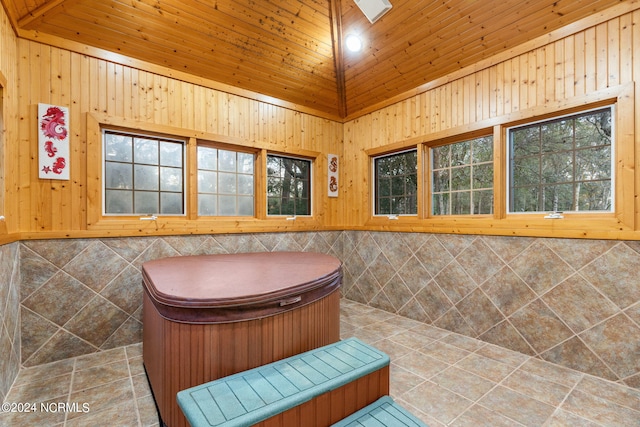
{"type": "Point", "coordinates": [233, 287]}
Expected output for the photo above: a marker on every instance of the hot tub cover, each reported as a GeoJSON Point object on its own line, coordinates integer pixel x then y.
{"type": "Point", "coordinates": [233, 287]}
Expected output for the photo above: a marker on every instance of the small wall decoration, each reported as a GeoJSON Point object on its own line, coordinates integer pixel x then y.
{"type": "Point", "coordinates": [332, 161]}
{"type": "Point", "coordinates": [53, 142]}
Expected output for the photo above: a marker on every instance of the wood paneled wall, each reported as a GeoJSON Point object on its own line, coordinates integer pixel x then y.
{"type": "Point", "coordinates": [123, 94]}
{"type": "Point", "coordinates": [8, 120]}
{"type": "Point", "coordinates": [581, 64]}
{"type": "Point", "coordinates": [546, 76]}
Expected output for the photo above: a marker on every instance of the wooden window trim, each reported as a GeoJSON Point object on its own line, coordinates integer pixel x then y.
{"type": "Point", "coordinates": [190, 223]}
{"type": "Point", "coordinates": [624, 221]}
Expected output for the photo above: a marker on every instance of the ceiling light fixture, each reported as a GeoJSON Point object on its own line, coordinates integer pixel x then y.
{"type": "Point", "coordinates": [353, 42]}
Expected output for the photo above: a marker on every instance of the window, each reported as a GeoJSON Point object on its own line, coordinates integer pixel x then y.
{"type": "Point", "coordinates": [462, 177]}
{"type": "Point", "coordinates": [395, 178]}
{"type": "Point", "coordinates": [288, 186]}
{"type": "Point", "coordinates": [225, 182]}
{"type": "Point", "coordinates": [143, 175]}
{"type": "Point", "coordinates": [564, 164]}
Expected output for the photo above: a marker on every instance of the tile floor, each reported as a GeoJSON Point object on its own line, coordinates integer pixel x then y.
{"type": "Point", "coordinates": [444, 378]}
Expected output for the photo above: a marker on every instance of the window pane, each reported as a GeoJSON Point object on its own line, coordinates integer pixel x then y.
{"type": "Point", "coordinates": [245, 163]}
{"type": "Point", "coordinates": [440, 157]}
{"type": "Point", "coordinates": [245, 184]}
{"type": "Point", "coordinates": [170, 154]}
{"type": "Point", "coordinates": [460, 178]}
{"type": "Point", "coordinates": [117, 201]}
{"type": "Point", "coordinates": [288, 186]}
{"type": "Point", "coordinates": [227, 160]}
{"type": "Point", "coordinates": [483, 149]}
{"type": "Point", "coordinates": [482, 202]}
{"type": "Point", "coordinates": [138, 168]}
{"type": "Point", "coordinates": [207, 182]}
{"type": "Point", "coordinates": [218, 174]}
{"type": "Point", "coordinates": [227, 183]}
{"type": "Point", "coordinates": [145, 151]}
{"type": "Point", "coordinates": [440, 204]}
{"type": "Point", "coordinates": [245, 206]}
{"type": "Point", "coordinates": [119, 175]}
{"type": "Point", "coordinates": [470, 168]}
{"type": "Point", "coordinates": [118, 148]}
{"type": "Point", "coordinates": [227, 205]}
{"type": "Point", "coordinates": [396, 183]}
{"type": "Point", "coordinates": [207, 158]}
{"type": "Point", "coordinates": [574, 156]}
{"type": "Point", "coordinates": [170, 203]}
{"type": "Point", "coordinates": [557, 197]}
{"type": "Point", "coordinates": [441, 180]}
{"type": "Point", "coordinates": [170, 179]}
{"type": "Point", "coordinates": [207, 204]}
{"type": "Point", "coordinates": [146, 178]}
{"type": "Point", "coordinates": [483, 176]}
{"type": "Point", "coordinates": [594, 196]}
{"type": "Point", "coordinates": [146, 202]}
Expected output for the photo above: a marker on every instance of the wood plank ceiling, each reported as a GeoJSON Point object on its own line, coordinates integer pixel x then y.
{"type": "Point", "coordinates": [292, 50]}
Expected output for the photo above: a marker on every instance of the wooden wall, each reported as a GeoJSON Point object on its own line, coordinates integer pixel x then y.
{"type": "Point", "coordinates": [586, 62]}
{"type": "Point", "coordinates": [8, 120]}
{"type": "Point", "coordinates": [97, 89]}
{"type": "Point", "coordinates": [596, 59]}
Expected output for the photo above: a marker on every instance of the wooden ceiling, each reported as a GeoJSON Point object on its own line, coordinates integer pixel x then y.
{"type": "Point", "coordinates": [292, 50]}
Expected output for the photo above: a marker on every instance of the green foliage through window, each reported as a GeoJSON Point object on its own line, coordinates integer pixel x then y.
{"type": "Point", "coordinates": [288, 186]}
{"type": "Point", "coordinates": [562, 165]}
{"type": "Point", "coordinates": [396, 184]}
{"type": "Point", "coordinates": [462, 177]}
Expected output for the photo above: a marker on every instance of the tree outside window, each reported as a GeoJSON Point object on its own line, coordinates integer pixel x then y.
{"type": "Point", "coordinates": [288, 186]}
{"type": "Point", "coordinates": [562, 165]}
{"type": "Point", "coordinates": [396, 183]}
{"type": "Point", "coordinates": [462, 177]}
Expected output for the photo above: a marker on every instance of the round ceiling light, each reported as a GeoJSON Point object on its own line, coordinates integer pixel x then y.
{"type": "Point", "coordinates": [353, 42]}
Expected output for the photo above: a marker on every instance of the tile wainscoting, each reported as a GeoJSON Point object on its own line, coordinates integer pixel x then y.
{"type": "Point", "coordinates": [9, 316]}
{"type": "Point", "coordinates": [575, 303]}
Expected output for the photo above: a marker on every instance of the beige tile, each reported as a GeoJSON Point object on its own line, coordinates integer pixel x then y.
{"type": "Point", "coordinates": [41, 372]}
{"type": "Point", "coordinates": [99, 375]}
{"type": "Point", "coordinates": [485, 367]}
{"type": "Point", "coordinates": [421, 365]}
{"type": "Point", "coordinates": [105, 397]}
{"type": "Point", "coordinates": [440, 403]}
{"type": "Point", "coordinates": [600, 410]}
{"type": "Point", "coordinates": [503, 355]}
{"type": "Point", "coordinates": [444, 352]}
{"type": "Point", "coordinates": [100, 358]}
{"type": "Point", "coordinates": [463, 383]}
{"type": "Point", "coordinates": [147, 410]}
{"type": "Point", "coordinates": [478, 416]}
{"type": "Point", "coordinates": [402, 380]}
{"type": "Point", "coordinates": [537, 387]}
{"type": "Point", "coordinates": [392, 348]}
{"type": "Point", "coordinates": [411, 339]}
{"type": "Point", "coordinates": [551, 372]}
{"type": "Point", "coordinates": [517, 406]}
{"type": "Point", "coordinates": [615, 393]}
{"type": "Point", "coordinates": [562, 418]}
{"type": "Point", "coordinates": [121, 415]}
{"type": "Point", "coordinates": [35, 416]}
{"type": "Point", "coordinates": [41, 390]}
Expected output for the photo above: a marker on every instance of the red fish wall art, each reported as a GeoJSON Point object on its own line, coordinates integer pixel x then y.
{"type": "Point", "coordinates": [53, 142]}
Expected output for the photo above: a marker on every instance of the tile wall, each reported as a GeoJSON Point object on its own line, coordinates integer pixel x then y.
{"type": "Point", "coordinates": [572, 302]}
{"type": "Point", "coordinates": [9, 316]}
{"type": "Point", "coordinates": [575, 303]}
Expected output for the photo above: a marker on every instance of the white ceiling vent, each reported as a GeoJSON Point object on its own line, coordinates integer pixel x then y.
{"type": "Point", "coordinates": [373, 9]}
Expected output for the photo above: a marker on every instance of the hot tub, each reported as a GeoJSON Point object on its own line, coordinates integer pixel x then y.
{"type": "Point", "coordinates": [209, 316]}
